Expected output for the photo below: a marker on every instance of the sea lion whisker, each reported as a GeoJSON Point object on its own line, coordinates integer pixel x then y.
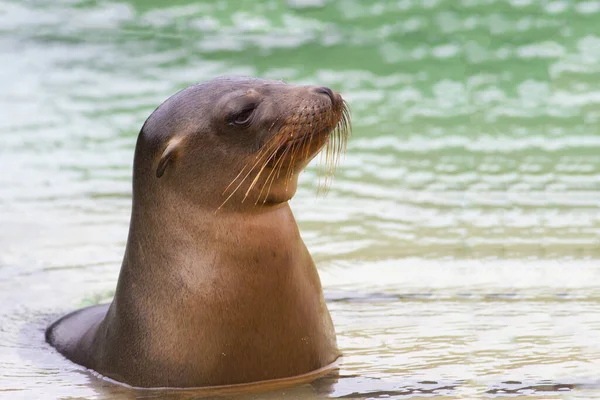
{"type": "Point", "coordinates": [301, 131]}
{"type": "Point", "coordinates": [277, 167]}
{"type": "Point", "coordinates": [258, 174]}
{"type": "Point", "coordinates": [291, 145]}
{"type": "Point", "coordinates": [272, 175]}
{"type": "Point", "coordinates": [296, 147]}
{"type": "Point", "coordinates": [234, 179]}
{"type": "Point", "coordinates": [309, 142]}
{"type": "Point", "coordinates": [330, 153]}
{"type": "Point", "coordinates": [335, 148]}
{"type": "Point", "coordinates": [280, 136]}
{"type": "Point", "coordinates": [258, 158]}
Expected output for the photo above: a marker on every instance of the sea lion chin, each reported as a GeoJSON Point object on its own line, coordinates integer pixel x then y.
{"type": "Point", "coordinates": [216, 285]}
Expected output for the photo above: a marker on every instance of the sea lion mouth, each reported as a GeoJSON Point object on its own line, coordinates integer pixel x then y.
{"type": "Point", "coordinates": [292, 144]}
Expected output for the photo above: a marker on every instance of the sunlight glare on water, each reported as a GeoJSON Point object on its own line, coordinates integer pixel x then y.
{"type": "Point", "coordinates": [458, 245]}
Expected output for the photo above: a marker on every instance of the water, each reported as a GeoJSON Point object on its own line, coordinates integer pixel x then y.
{"type": "Point", "coordinates": [459, 245]}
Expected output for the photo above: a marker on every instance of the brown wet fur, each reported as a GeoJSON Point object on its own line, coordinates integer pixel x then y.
{"type": "Point", "coordinates": [217, 286]}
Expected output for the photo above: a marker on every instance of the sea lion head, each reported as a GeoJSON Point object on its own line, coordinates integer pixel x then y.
{"type": "Point", "coordinates": [236, 142]}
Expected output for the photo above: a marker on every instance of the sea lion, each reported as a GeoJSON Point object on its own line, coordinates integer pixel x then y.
{"type": "Point", "coordinates": [216, 285]}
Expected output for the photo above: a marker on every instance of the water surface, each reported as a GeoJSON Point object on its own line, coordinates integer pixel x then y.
{"type": "Point", "coordinates": [459, 245]}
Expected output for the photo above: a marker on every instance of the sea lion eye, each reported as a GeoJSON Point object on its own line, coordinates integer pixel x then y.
{"type": "Point", "coordinates": [244, 116]}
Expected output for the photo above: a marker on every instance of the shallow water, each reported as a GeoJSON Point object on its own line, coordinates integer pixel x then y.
{"type": "Point", "coordinates": [459, 245]}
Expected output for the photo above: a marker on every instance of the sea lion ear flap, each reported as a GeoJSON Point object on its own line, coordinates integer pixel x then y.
{"type": "Point", "coordinates": [167, 156]}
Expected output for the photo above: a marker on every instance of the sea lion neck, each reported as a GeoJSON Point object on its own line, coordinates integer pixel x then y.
{"type": "Point", "coordinates": [193, 233]}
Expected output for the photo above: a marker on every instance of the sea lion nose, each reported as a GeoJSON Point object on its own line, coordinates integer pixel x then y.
{"type": "Point", "coordinates": [327, 91]}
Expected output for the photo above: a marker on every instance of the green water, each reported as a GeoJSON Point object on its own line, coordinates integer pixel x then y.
{"type": "Point", "coordinates": [459, 245]}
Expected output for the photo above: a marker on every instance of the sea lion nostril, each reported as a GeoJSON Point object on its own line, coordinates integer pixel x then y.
{"type": "Point", "coordinates": [327, 91]}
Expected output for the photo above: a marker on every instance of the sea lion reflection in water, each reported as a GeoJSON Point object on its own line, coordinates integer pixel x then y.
{"type": "Point", "coordinates": [216, 286]}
